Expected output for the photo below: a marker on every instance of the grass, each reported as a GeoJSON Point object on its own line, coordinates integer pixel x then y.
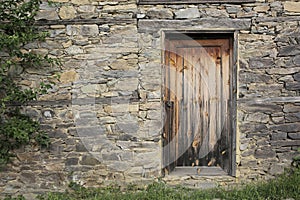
{"type": "Point", "coordinates": [283, 187]}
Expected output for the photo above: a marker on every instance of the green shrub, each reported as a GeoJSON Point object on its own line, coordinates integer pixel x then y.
{"type": "Point", "coordinates": [16, 30]}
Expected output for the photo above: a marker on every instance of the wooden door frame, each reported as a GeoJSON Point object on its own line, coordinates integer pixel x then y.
{"type": "Point", "coordinates": [233, 36]}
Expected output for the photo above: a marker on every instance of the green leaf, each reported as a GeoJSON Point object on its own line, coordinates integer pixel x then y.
{"type": "Point", "coordinates": [16, 30]}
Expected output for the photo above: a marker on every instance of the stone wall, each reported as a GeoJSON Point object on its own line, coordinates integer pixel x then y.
{"type": "Point", "coordinates": [104, 115]}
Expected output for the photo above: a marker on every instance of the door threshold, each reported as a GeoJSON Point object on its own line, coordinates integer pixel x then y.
{"type": "Point", "coordinates": [198, 171]}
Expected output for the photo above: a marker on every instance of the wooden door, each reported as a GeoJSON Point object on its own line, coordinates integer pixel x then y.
{"type": "Point", "coordinates": [197, 96]}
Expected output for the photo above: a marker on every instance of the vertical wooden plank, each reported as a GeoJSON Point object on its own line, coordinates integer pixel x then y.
{"type": "Point", "coordinates": [233, 64]}
{"type": "Point", "coordinates": [172, 80]}
{"type": "Point", "coordinates": [184, 107]}
{"type": "Point", "coordinates": [212, 100]}
{"type": "Point", "coordinates": [204, 88]}
{"type": "Point", "coordinates": [193, 118]}
{"type": "Point", "coordinates": [179, 61]}
{"type": "Point", "coordinates": [209, 85]}
{"type": "Point", "coordinates": [223, 116]}
{"type": "Point", "coordinates": [173, 141]}
{"type": "Point", "coordinates": [166, 149]}
{"type": "Point", "coordinates": [201, 100]}
{"type": "Point", "coordinates": [188, 68]}
{"type": "Point", "coordinates": [197, 141]}
{"type": "Point", "coordinates": [225, 143]}
{"type": "Point", "coordinates": [176, 111]}
{"type": "Point", "coordinates": [176, 119]}
{"type": "Point", "coordinates": [225, 134]}
{"type": "Point", "coordinates": [219, 116]}
{"type": "Point", "coordinates": [187, 106]}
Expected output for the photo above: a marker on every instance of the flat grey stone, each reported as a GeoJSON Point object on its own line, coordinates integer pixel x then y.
{"type": "Point", "coordinates": [288, 127]}
{"type": "Point", "coordinates": [160, 13]}
{"type": "Point", "coordinates": [296, 60]}
{"type": "Point", "coordinates": [187, 13]}
{"type": "Point", "coordinates": [264, 154]}
{"type": "Point", "coordinates": [290, 50]}
{"type": "Point", "coordinates": [297, 76]}
{"type": "Point", "coordinates": [294, 136]}
{"type": "Point", "coordinates": [261, 63]}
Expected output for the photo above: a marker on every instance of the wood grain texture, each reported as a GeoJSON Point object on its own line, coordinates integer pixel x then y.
{"type": "Point", "coordinates": [200, 84]}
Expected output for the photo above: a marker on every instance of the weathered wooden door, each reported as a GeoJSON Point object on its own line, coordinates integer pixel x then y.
{"type": "Point", "coordinates": [197, 97]}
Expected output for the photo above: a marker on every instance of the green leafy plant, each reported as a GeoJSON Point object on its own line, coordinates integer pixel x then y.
{"type": "Point", "coordinates": [17, 30]}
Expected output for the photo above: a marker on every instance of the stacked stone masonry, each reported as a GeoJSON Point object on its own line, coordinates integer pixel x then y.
{"type": "Point", "coordinates": [104, 115]}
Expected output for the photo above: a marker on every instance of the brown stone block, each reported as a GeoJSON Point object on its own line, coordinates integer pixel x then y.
{"type": "Point", "coordinates": [292, 6]}
{"type": "Point", "coordinates": [67, 12]}
{"type": "Point", "coordinates": [262, 8]}
{"type": "Point", "coordinates": [80, 2]}
{"type": "Point", "coordinates": [89, 160]}
{"type": "Point", "coordinates": [28, 177]}
{"type": "Point", "coordinates": [25, 157]}
{"type": "Point", "coordinates": [68, 76]}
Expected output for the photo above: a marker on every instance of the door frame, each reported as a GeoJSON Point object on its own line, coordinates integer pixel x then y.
{"type": "Point", "coordinates": [203, 34]}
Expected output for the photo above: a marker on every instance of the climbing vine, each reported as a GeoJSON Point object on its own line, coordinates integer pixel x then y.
{"type": "Point", "coordinates": [16, 30]}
